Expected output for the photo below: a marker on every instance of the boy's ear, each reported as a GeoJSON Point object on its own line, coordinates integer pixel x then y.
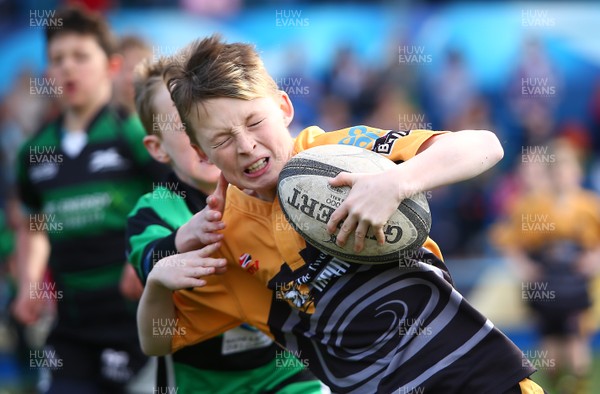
{"type": "Point", "coordinates": [115, 62]}
{"type": "Point", "coordinates": [153, 145]}
{"type": "Point", "coordinates": [286, 106]}
{"type": "Point", "coordinates": [200, 153]}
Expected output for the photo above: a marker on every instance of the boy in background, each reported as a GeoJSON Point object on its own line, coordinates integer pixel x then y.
{"type": "Point", "coordinates": [78, 178]}
{"type": "Point", "coordinates": [551, 237]}
{"type": "Point", "coordinates": [164, 223]}
{"type": "Point", "coordinates": [132, 50]}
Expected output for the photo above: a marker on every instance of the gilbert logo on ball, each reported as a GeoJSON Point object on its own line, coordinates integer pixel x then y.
{"type": "Point", "coordinates": [307, 201]}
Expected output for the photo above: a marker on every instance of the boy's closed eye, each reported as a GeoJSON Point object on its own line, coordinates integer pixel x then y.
{"type": "Point", "coordinates": [221, 142]}
{"type": "Point", "coordinates": [256, 123]}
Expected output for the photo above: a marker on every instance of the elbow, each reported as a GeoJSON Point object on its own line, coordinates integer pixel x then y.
{"type": "Point", "coordinates": [151, 349]}
{"type": "Point", "coordinates": [492, 147]}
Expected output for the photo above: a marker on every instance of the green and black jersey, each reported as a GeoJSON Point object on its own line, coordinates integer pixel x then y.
{"type": "Point", "coordinates": [82, 203]}
{"type": "Point", "coordinates": [240, 360]}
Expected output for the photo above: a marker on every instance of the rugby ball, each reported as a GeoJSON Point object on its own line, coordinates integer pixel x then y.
{"type": "Point", "coordinates": [307, 201]}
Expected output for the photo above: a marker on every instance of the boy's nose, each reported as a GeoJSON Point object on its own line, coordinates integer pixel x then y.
{"type": "Point", "coordinates": [245, 142]}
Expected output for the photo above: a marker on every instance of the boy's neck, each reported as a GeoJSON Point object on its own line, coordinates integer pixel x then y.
{"type": "Point", "coordinates": [204, 187]}
{"type": "Point", "coordinates": [78, 118]}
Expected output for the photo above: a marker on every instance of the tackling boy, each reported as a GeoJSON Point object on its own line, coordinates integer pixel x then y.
{"type": "Point", "coordinates": [164, 223]}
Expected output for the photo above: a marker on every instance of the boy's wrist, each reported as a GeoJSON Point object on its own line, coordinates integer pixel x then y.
{"type": "Point", "coordinates": [184, 239]}
{"type": "Point", "coordinates": [155, 286]}
{"type": "Point", "coordinates": [406, 185]}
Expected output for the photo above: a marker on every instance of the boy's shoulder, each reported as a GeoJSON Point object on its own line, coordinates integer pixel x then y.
{"type": "Point", "coordinates": [127, 118]}
{"type": "Point", "coordinates": [353, 135]}
{"type": "Point", "coordinates": [382, 141]}
{"type": "Point", "coordinates": [46, 135]}
{"type": "Point", "coordinates": [161, 199]}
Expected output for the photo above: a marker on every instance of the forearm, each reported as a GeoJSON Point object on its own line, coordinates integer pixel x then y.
{"type": "Point", "coordinates": [156, 309]}
{"type": "Point", "coordinates": [186, 240]}
{"type": "Point", "coordinates": [450, 158]}
{"type": "Point", "coordinates": [33, 251]}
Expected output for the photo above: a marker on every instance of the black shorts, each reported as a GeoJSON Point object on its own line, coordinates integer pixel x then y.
{"type": "Point", "coordinates": [559, 324]}
{"type": "Point", "coordinates": [90, 368]}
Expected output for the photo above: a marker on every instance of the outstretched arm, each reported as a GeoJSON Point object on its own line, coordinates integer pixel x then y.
{"type": "Point", "coordinates": [175, 272]}
{"type": "Point", "coordinates": [442, 159]}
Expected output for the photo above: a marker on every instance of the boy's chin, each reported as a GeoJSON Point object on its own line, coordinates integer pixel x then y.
{"type": "Point", "coordinates": [259, 188]}
{"type": "Point", "coordinates": [75, 103]}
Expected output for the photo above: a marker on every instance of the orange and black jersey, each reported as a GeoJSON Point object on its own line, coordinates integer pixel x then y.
{"type": "Point", "coordinates": [359, 328]}
{"type": "Point", "coordinates": [538, 219]}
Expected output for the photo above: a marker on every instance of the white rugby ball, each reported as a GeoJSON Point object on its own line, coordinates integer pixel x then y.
{"type": "Point", "coordinates": [307, 201]}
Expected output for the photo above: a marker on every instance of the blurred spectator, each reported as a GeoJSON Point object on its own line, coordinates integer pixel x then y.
{"type": "Point", "coordinates": [535, 84]}
{"type": "Point", "coordinates": [347, 80]}
{"type": "Point", "coordinates": [393, 111]}
{"type": "Point", "coordinates": [212, 7]}
{"type": "Point", "coordinates": [453, 90]}
{"type": "Point", "coordinates": [334, 113]}
{"type": "Point", "coordinates": [551, 236]}
{"type": "Point", "coordinates": [475, 115]}
{"type": "Point", "coordinates": [133, 50]}
{"type": "Point", "coordinates": [594, 110]}
{"type": "Point", "coordinates": [303, 90]}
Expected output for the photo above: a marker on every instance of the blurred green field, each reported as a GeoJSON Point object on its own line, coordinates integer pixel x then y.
{"type": "Point", "coordinates": [541, 377]}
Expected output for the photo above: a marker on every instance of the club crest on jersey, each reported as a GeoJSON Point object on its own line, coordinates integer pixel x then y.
{"type": "Point", "coordinates": [384, 145]}
{"type": "Point", "coordinates": [107, 160]}
{"type": "Point", "coordinates": [43, 172]}
{"type": "Point", "coordinates": [247, 264]}
{"type": "Point", "coordinates": [360, 136]}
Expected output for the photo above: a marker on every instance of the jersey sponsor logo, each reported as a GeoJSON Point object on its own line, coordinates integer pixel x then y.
{"type": "Point", "coordinates": [360, 136]}
{"type": "Point", "coordinates": [243, 338]}
{"type": "Point", "coordinates": [334, 269]}
{"type": "Point", "coordinates": [115, 365]}
{"type": "Point", "coordinates": [107, 160]}
{"type": "Point", "coordinates": [291, 292]}
{"type": "Point", "coordinates": [43, 172]}
{"type": "Point", "coordinates": [247, 264]}
{"type": "Point", "coordinates": [384, 145]}
{"type": "Point", "coordinates": [80, 211]}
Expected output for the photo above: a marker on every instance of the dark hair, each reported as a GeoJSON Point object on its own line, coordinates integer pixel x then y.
{"type": "Point", "coordinates": [77, 20]}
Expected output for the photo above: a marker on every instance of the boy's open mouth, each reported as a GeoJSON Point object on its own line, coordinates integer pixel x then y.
{"type": "Point", "coordinates": [257, 166]}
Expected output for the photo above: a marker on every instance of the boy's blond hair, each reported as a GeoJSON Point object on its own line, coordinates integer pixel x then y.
{"type": "Point", "coordinates": [148, 77]}
{"type": "Point", "coordinates": [212, 68]}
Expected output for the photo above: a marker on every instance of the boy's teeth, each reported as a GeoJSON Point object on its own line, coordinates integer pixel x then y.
{"type": "Point", "coordinates": [257, 166]}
